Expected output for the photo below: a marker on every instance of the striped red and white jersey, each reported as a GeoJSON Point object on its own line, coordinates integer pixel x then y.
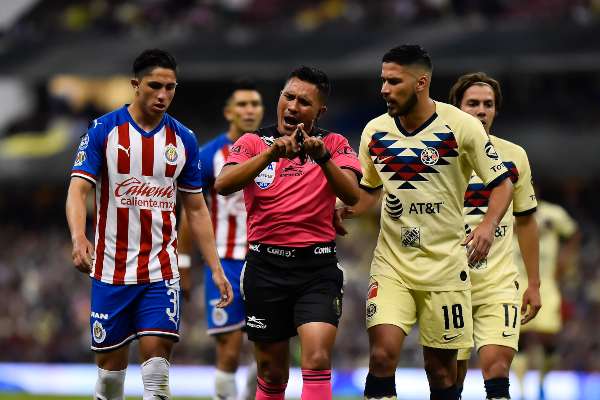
{"type": "Point", "coordinates": [228, 213]}
{"type": "Point", "coordinates": [137, 175]}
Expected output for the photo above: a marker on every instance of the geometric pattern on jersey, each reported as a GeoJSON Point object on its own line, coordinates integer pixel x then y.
{"type": "Point", "coordinates": [477, 196]}
{"type": "Point", "coordinates": [136, 175]}
{"type": "Point", "coordinates": [412, 164]}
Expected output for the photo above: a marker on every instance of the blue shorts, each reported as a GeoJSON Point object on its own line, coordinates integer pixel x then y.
{"type": "Point", "coordinates": [232, 317]}
{"type": "Point", "coordinates": [121, 313]}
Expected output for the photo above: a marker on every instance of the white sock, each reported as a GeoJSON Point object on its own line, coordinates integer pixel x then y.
{"type": "Point", "coordinates": [109, 385]}
{"type": "Point", "coordinates": [155, 375]}
{"type": "Point", "coordinates": [225, 387]}
{"type": "Point", "coordinates": [250, 382]}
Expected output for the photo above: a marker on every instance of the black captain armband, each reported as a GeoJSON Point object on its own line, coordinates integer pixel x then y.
{"type": "Point", "coordinates": [324, 159]}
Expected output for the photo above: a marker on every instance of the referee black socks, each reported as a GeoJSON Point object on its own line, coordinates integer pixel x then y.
{"type": "Point", "coordinates": [497, 388]}
{"type": "Point", "coordinates": [449, 393]}
{"type": "Point", "coordinates": [378, 388]}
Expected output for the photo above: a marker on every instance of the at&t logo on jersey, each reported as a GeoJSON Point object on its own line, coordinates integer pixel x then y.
{"type": "Point", "coordinates": [393, 206]}
{"type": "Point", "coordinates": [266, 176]}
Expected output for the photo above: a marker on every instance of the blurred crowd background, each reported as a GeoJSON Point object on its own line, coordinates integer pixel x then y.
{"type": "Point", "coordinates": [66, 62]}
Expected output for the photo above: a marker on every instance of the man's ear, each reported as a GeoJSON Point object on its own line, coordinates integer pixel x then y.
{"type": "Point", "coordinates": [422, 82]}
{"type": "Point", "coordinates": [135, 83]}
{"type": "Point", "coordinates": [322, 111]}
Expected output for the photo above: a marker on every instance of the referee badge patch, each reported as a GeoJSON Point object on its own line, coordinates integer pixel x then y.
{"type": "Point", "coordinates": [266, 177]}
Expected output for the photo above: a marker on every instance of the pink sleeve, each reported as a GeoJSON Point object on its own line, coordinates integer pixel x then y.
{"type": "Point", "coordinates": [342, 153]}
{"type": "Point", "coordinates": [243, 149]}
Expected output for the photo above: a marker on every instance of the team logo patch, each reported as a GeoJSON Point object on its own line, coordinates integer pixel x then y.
{"type": "Point", "coordinates": [79, 158]}
{"type": "Point", "coordinates": [98, 332]}
{"type": "Point", "coordinates": [371, 310]}
{"type": "Point", "coordinates": [337, 306]}
{"type": "Point", "coordinates": [491, 151]}
{"type": "Point", "coordinates": [393, 206]}
{"type": "Point", "coordinates": [219, 316]}
{"type": "Point", "coordinates": [85, 140]}
{"type": "Point", "coordinates": [372, 291]}
{"type": "Point", "coordinates": [429, 156]}
{"type": "Point", "coordinates": [266, 177]}
{"type": "Point", "coordinates": [411, 236]}
{"type": "Point", "coordinates": [171, 155]}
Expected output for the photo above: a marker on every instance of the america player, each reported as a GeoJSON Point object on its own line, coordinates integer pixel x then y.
{"type": "Point", "coordinates": [244, 111]}
{"type": "Point", "coordinates": [419, 157]}
{"type": "Point", "coordinates": [137, 157]}
{"type": "Point", "coordinates": [291, 282]}
{"type": "Point", "coordinates": [559, 248]}
{"type": "Point", "coordinates": [495, 295]}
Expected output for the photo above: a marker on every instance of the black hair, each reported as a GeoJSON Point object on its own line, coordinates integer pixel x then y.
{"type": "Point", "coordinates": [240, 84]}
{"type": "Point", "coordinates": [314, 76]}
{"type": "Point", "coordinates": [152, 58]}
{"type": "Point", "coordinates": [409, 54]}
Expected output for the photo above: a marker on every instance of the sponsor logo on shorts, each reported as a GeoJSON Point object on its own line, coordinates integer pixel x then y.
{"type": "Point", "coordinates": [98, 315]}
{"type": "Point", "coordinates": [411, 236]}
{"type": "Point", "coordinates": [324, 250]}
{"type": "Point", "coordinates": [508, 334]}
{"type": "Point", "coordinates": [98, 332]}
{"type": "Point", "coordinates": [254, 247]}
{"type": "Point", "coordinates": [288, 253]}
{"type": "Point", "coordinates": [372, 292]}
{"type": "Point", "coordinates": [449, 338]}
{"type": "Point", "coordinates": [430, 156]}
{"type": "Point", "coordinates": [219, 316]}
{"type": "Point", "coordinates": [266, 177]}
{"type": "Point", "coordinates": [254, 322]}
{"type": "Point", "coordinates": [371, 310]}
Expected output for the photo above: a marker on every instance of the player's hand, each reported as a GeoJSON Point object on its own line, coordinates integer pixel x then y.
{"type": "Point", "coordinates": [224, 287]}
{"type": "Point", "coordinates": [532, 302]}
{"type": "Point", "coordinates": [82, 254]}
{"type": "Point", "coordinates": [478, 242]}
{"type": "Point", "coordinates": [313, 146]}
{"type": "Point", "coordinates": [284, 147]}
{"type": "Point", "coordinates": [340, 214]}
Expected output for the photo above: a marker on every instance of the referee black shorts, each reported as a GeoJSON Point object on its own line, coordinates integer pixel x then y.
{"type": "Point", "coordinates": [285, 287]}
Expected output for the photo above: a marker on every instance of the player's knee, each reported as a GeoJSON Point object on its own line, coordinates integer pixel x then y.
{"type": "Point", "coordinates": [109, 385]}
{"type": "Point", "coordinates": [439, 376]}
{"type": "Point", "coordinates": [155, 375]}
{"type": "Point", "coordinates": [382, 361]}
{"type": "Point", "coordinates": [497, 368]}
{"type": "Point", "coordinates": [317, 360]}
{"type": "Point", "coordinates": [271, 373]}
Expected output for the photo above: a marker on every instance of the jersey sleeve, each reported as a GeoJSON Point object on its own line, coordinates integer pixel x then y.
{"type": "Point", "coordinates": [243, 149]}
{"type": "Point", "coordinates": [370, 179]}
{"type": "Point", "coordinates": [565, 225]}
{"type": "Point", "coordinates": [190, 180]}
{"type": "Point", "coordinates": [89, 157]}
{"type": "Point", "coordinates": [343, 155]}
{"type": "Point", "coordinates": [524, 201]}
{"type": "Point", "coordinates": [481, 154]}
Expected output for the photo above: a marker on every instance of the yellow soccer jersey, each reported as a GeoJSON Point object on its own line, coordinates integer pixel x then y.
{"type": "Point", "coordinates": [554, 224]}
{"type": "Point", "coordinates": [494, 278]}
{"type": "Point", "coordinates": [424, 175]}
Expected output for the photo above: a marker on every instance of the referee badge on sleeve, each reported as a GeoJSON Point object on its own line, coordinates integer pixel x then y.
{"type": "Point", "coordinates": [266, 177]}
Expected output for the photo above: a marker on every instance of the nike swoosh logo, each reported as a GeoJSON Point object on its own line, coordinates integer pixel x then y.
{"type": "Point", "coordinates": [504, 334]}
{"type": "Point", "coordinates": [383, 159]}
{"type": "Point", "coordinates": [451, 337]}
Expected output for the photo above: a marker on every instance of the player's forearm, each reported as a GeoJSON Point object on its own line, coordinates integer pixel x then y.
{"type": "Point", "coordinates": [202, 230]}
{"type": "Point", "coordinates": [184, 241]}
{"type": "Point", "coordinates": [234, 177]}
{"type": "Point", "coordinates": [528, 237]}
{"type": "Point", "coordinates": [76, 211]}
{"type": "Point", "coordinates": [500, 198]}
{"type": "Point", "coordinates": [343, 182]}
{"type": "Point", "coordinates": [366, 201]}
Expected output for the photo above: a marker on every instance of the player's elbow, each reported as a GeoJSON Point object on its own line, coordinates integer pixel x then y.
{"type": "Point", "coordinates": [352, 197]}
{"type": "Point", "coordinates": [221, 187]}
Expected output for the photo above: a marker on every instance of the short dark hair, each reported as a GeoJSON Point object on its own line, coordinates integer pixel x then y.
{"type": "Point", "coordinates": [408, 54]}
{"type": "Point", "coordinates": [314, 76]}
{"type": "Point", "coordinates": [476, 78]}
{"type": "Point", "coordinates": [152, 58]}
{"type": "Point", "coordinates": [240, 84]}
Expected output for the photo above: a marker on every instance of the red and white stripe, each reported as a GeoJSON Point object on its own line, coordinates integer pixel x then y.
{"type": "Point", "coordinates": [228, 216]}
{"type": "Point", "coordinates": [136, 243]}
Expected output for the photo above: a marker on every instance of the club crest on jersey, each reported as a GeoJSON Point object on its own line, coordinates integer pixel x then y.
{"type": "Point", "coordinates": [429, 156]}
{"type": "Point", "coordinates": [491, 151]}
{"type": "Point", "coordinates": [98, 332]}
{"type": "Point", "coordinates": [85, 140]}
{"type": "Point", "coordinates": [266, 176]}
{"type": "Point", "coordinates": [79, 158]}
{"type": "Point", "coordinates": [171, 155]}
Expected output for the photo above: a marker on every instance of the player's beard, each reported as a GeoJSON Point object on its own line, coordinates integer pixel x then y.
{"type": "Point", "coordinates": [408, 105]}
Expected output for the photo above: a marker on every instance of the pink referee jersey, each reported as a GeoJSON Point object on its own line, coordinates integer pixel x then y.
{"type": "Point", "coordinates": [137, 175]}
{"type": "Point", "coordinates": [290, 204]}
